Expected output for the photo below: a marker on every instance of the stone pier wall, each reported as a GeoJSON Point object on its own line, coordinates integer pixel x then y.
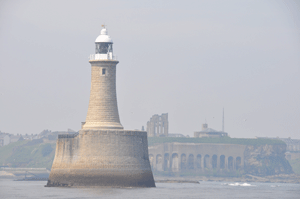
{"type": "Point", "coordinates": [102, 158]}
{"type": "Point", "coordinates": [196, 157]}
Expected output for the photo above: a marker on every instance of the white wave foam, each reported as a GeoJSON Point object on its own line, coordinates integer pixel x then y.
{"type": "Point", "coordinates": [274, 185]}
{"type": "Point", "coordinates": [240, 184]}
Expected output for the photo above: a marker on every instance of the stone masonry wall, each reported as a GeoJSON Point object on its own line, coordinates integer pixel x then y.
{"type": "Point", "coordinates": [103, 109]}
{"type": "Point", "coordinates": [102, 158]}
{"type": "Point", "coordinates": [196, 157]}
{"type": "Point", "coordinates": [208, 158]}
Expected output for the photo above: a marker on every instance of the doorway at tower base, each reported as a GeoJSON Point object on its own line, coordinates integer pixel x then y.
{"type": "Point", "coordinates": [116, 158]}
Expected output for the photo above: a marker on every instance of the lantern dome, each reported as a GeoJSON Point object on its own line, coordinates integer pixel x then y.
{"type": "Point", "coordinates": [103, 37]}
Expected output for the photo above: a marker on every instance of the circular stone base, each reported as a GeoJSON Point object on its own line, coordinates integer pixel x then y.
{"type": "Point", "coordinates": [102, 158]}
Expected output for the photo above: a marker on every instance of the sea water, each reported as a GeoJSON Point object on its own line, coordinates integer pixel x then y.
{"type": "Point", "coordinates": [36, 189]}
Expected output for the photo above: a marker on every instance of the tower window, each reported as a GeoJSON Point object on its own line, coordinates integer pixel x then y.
{"type": "Point", "coordinates": [103, 71]}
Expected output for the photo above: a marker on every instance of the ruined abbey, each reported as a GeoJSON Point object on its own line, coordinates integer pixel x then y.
{"type": "Point", "coordinates": [158, 126]}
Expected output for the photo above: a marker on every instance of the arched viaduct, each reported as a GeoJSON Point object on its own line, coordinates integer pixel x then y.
{"type": "Point", "coordinates": [196, 157]}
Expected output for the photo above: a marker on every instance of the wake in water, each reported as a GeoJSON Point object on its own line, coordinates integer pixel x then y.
{"type": "Point", "coordinates": [239, 184]}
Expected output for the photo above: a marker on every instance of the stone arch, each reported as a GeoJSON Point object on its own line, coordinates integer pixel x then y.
{"type": "Point", "coordinates": [238, 162]}
{"type": "Point", "coordinates": [222, 162]}
{"type": "Point", "coordinates": [191, 162]}
{"type": "Point", "coordinates": [198, 161]}
{"type": "Point", "coordinates": [214, 161]}
{"type": "Point", "coordinates": [174, 162]}
{"type": "Point", "coordinates": [230, 163]}
{"type": "Point", "coordinates": [159, 162]}
{"type": "Point", "coordinates": [183, 162]}
{"type": "Point", "coordinates": [206, 161]}
{"type": "Point", "coordinates": [151, 158]}
{"type": "Point", "coordinates": [166, 162]}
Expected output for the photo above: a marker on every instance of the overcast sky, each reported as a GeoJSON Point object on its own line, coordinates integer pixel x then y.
{"type": "Point", "coordinates": [186, 58]}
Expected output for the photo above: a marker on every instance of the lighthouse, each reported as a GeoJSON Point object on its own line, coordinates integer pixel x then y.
{"type": "Point", "coordinates": [103, 109]}
{"type": "Point", "coordinates": [102, 153]}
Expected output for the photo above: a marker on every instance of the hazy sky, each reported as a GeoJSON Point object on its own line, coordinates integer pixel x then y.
{"type": "Point", "coordinates": [186, 58]}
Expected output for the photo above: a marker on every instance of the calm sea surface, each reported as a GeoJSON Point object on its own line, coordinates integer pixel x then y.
{"type": "Point", "coordinates": [36, 189]}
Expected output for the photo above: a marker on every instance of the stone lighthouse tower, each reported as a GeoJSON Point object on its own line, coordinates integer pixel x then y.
{"type": "Point", "coordinates": [102, 154]}
{"type": "Point", "coordinates": [103, 108]}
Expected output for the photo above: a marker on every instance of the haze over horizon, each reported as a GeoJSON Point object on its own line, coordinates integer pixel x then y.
{"type": "Point", "coordinates": [187, 59]}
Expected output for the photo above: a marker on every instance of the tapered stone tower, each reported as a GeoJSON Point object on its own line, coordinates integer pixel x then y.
{"type": "Point", "coordinates": [103, 108]}
{"type": "Point", "coordinates": [102, 154]}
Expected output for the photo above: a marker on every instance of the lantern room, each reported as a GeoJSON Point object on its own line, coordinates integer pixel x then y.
{"type": "Point", "coordinates": [103, 46]}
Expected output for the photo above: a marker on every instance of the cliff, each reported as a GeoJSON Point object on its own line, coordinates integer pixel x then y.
{"type": "Point", "coordinates": [266, 160]}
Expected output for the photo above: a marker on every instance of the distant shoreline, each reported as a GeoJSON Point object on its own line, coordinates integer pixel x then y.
{"type": "Point", "coordinates": [283, 178]}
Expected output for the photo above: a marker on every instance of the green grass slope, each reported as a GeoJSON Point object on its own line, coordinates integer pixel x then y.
{"type": "Point", "coordinates": [295, 165]}
{"type": "Point", "coordinates": [33, 154]}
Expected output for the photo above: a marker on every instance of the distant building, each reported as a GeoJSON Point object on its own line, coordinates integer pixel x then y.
{"type": "Point", "coordinates": [209, 132]}
{"type": "Point", "coordinates": [175, 135]}
{"type": "Point", "coordinates": [16, 138]}
{"type": "Point", "coordinates": [197, 158]}
{"type": "Point", "coordinates": [44, 133]}
{"type": "Point", "coordinates": [292, 145]}
{"type": "Point", "coordinates": [4, 139]}
{"type": "Point", "coordinates": [158, 126]}
{"type": "Point", "coordinates": [30, 137]}
{"type": "Point", "coordinates": [53, 135]}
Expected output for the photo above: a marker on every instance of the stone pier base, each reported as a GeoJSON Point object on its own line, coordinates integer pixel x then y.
{"type": "Point", "coordinates": [117, 158]}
